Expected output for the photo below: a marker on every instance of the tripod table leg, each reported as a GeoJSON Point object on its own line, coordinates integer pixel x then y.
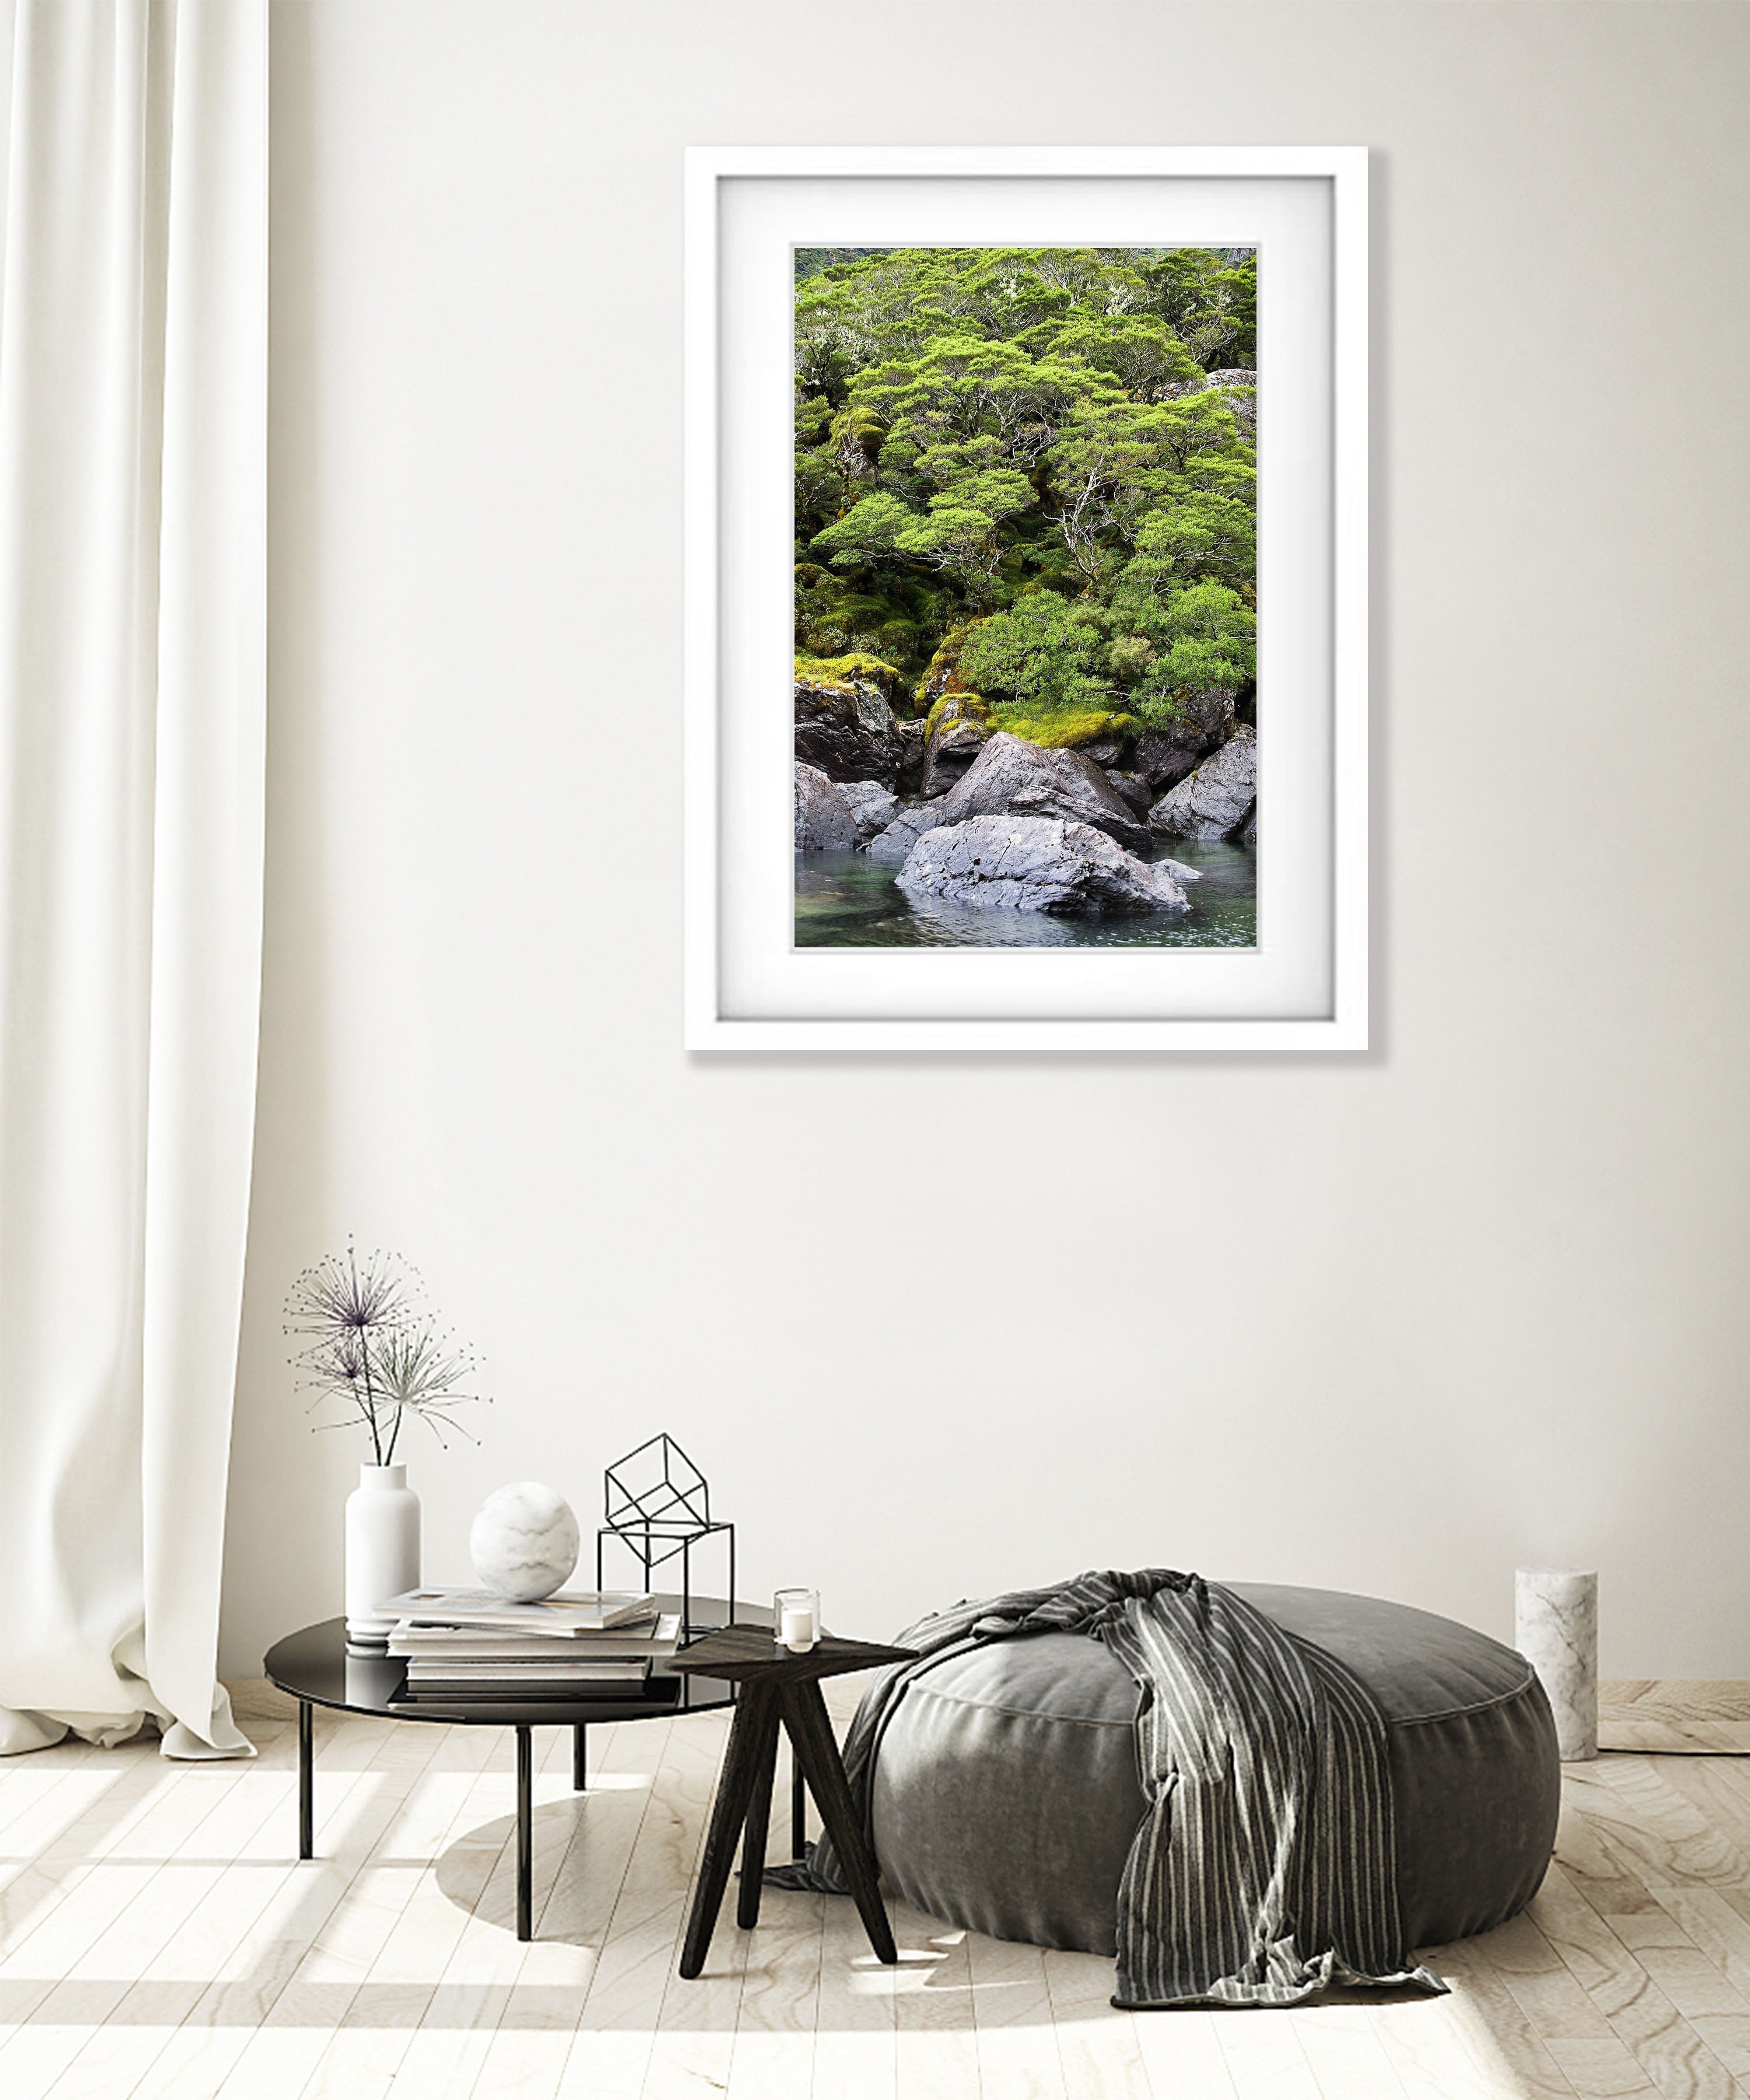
{"type": "Point", "coordinates": [804, 1712]}
{"type": "Point", "coordinates": [759, 1815]}
{"type": "Point", "coordinates": [729, 1813]}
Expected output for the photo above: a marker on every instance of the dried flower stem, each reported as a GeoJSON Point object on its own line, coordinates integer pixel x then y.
{"type": "Point", "coordinates": [372, 1345]}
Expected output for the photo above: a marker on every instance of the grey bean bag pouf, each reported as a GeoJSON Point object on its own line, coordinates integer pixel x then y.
{"type": "Point", "coordinates": [1006, 1794]}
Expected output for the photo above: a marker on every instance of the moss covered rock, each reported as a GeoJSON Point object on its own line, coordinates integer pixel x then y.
{"type": "Point", "coordinates": [846, 728]}
{"type": "Point", "coordinates": [954, 736]}
{"type": "Point", "coordinates": [854, 667]}
{"type": "Point", "coordinates": [943, 673]}
{"type": "Point", "coordinates": [1066, 729]}
{"type": "Point", "coordinates": [957, 707]}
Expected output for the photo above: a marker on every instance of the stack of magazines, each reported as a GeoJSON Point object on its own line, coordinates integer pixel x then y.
{"type": "Point", "coordinates": [468, 1646]}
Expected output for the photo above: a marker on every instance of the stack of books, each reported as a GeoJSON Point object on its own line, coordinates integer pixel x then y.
{"type": "Point", "coordinates": [469, 1647]}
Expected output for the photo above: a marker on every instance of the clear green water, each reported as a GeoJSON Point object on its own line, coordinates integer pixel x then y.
{"type": "Point", "coordinates": [845, 900]}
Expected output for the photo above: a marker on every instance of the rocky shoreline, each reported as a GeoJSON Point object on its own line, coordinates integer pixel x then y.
{"type": "Point", "coordinates": [974, 815]}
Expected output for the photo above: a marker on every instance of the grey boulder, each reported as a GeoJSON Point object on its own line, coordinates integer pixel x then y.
{"type": "Point", "coordinates": [902, 834]}
{"type": "Point", "coordinates": [1012, 777]}
{"type": "Point", "coordinates": [1164, 756]}
{"type": "Point", "coordinates": [1131, 789]}
{"type": "Point", "coordinates": [1214, 801]}
{"type": "Point", "coordinates": [871, 806]}
{"type": "Point", "coordinates": [1034, 864]}
{"type": "Point", "coordinates": [912, 739]}
{"type": "Point", "coordinates": [1162, 760]}
{"type": "Point", "coordinates": [847, 731]}
{"type": "Point", "coordinates": [824, 822]}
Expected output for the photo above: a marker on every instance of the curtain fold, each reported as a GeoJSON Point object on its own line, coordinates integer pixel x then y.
{"type": "Point", "coordinates": [132, 451]}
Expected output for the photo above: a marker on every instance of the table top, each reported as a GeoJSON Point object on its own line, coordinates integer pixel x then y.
{"type": "Point", "coordinates": [313, 1664]}
{"type": "Point", "coordinates": [751, 1655]}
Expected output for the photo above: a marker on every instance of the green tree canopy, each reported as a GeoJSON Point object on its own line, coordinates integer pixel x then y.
{"type": "Point", "coordinates": [1024, 438]}
{"type": "Point", "coordinates": [1042, 650]}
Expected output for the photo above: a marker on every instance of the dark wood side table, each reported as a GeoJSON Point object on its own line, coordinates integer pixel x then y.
{"type": "Point", "coordinates": [774, 1686]}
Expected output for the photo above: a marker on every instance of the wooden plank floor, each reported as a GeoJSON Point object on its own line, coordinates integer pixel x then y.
{"type": "Point", "coordinates": [1674, 1714]}
{"type": "Point", "coordinates": [160, 1940]}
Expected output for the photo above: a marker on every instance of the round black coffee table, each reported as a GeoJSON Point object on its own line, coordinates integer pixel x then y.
{"type": "Point", "coordinates": [313, 1667]}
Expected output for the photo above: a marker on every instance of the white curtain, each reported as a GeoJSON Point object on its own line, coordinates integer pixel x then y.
{"type": "Point", "coordinates": [132, 446]}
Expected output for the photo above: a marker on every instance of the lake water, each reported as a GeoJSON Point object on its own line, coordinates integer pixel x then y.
{"type": "Point", "coordinates": [845, 900]}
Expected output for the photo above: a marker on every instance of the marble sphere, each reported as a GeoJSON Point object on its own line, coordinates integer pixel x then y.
{"type": "Point", "coordinates": [524, 1541]}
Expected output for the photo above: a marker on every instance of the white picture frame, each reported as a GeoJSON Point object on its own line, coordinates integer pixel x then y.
{"type": "Point", "coordinates": [1305, 986]}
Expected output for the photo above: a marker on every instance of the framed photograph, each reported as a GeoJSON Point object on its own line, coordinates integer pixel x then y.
{"type": "Point", "coordinates": [1026, 614]}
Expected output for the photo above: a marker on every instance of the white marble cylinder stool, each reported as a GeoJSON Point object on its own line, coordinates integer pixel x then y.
{"type": "Point", "coordinates": [1556, 1630]}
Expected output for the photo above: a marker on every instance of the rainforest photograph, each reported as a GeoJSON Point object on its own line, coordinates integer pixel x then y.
{"type": "Point", "coordinates": [1025, 691]}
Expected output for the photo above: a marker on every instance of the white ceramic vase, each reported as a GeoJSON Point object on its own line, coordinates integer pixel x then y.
{"type": "Point", "coordinates": [382, 1550]}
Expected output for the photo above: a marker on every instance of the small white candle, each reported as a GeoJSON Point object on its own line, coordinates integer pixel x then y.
{"type": "Point", "coordinates": [797, 1633]}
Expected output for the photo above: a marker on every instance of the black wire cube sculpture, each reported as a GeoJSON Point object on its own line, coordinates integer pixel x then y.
{"type": "Point", "coordinates": [657, 1504]}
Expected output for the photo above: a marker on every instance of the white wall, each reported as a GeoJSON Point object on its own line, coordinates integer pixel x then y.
{"type": "Point", "coordinates": [937, 1326]}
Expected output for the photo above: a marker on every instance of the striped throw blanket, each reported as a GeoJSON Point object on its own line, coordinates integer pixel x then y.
{"type": "Point", "coordinates": [1265, 1867]}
